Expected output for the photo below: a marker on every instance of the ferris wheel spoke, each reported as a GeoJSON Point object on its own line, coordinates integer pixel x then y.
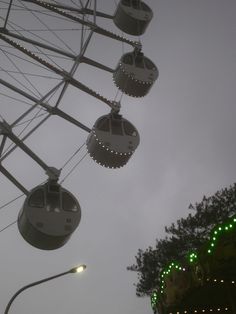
{"type": "Point", "coordinates": [8, 12]}
{"type": "Point", "coordinates": [52, 32]}
{"type": "Point", "coordinates": [83, 48]}
{"type": "Point", "coordinates": [96, 64]}
{"type": "Point", "coordinates": [16, 56]}
{"type": "Point", "coordinates": [17, 99]}
{"type": "Point", "coordinates": [28, 96]}
{"type": "Point", "coordinates": [34, 39]}
{"type": "Point", "coordinates": [25, 77]}
{"type": "Point", "coordinates": [29, 74]}
{"type": "Point", "coordinates": [32, 119]}
{"type": "Point", "coordinates": [50, 109]}
{"type": "Point", "coordinates": [37, 103]}
{"type": "Point", "coordinates": [67, 76]}
{"type": "Point", "coordinates": [3, 144]}
{"type": "Point", "coordinates": [36, 116]}
{"type": "Point", "coordinates": [18, 81]}
{"type": "Point", "coordinates": [10, 150]}
{"type": "Point", "coordinates": [92, 26]}
{"type": "Point", "coordinates": [70, 119]}
{"type": "Point", "coordinates": [82, 10]}
{"type": "Point", "coordinates": [7, 174]}
{"type": "Point", "coordinates": [52, 172]}
{"type": "Point", "coordinates": [37, 43]}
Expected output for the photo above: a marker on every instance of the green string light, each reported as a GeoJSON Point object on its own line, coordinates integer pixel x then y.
{"type": "Point", "coordinates": [192, 257]}
{"type": "Point", "coordinates": [219, 230]}
{"type": "Point", "coordinates": [167, 271]}
{"type": "Point", "coordinates": [154, 299]}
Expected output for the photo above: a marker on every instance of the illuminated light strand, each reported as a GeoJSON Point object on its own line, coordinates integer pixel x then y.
{"type": "Point", "coordinates": [218, 231]}
{"type": "Point", "coordinates": [215, 280]}
{"type": "Point", "coordinates": [112, 151]}
{"type": "Point", "coordinates": [167, 271]}
{"type": "Point", "coordinates": [193, 257]}
{"type": "Point", "coordinates": [154, 298]}
{"type": "Point", "coordinates": [201, 310]}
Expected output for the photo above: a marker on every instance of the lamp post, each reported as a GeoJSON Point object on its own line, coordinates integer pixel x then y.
{"type": "Point", "coordinates": [78, 269]}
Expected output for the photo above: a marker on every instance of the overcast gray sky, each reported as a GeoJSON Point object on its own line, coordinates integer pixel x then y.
{"type": "Point", "coordinates": [187, 149]}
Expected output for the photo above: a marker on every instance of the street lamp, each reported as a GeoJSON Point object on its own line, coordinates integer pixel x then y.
{"type": "Point", "coordinates": [77, 269]}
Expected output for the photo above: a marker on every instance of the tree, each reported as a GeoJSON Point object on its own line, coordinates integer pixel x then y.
{"type": "Point", "coordinates": [187, 234]}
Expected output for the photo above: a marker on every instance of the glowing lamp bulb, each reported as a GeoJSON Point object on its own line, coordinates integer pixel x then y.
{"type": "Point", "coordinates": [80, 268]}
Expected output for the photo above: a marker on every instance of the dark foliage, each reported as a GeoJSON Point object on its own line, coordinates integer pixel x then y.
{"type": "Point", "coordinates": [185, 235]}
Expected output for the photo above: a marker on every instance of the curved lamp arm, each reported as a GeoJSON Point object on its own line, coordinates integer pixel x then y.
{"type": "Point", "coordinates": [73, 270]}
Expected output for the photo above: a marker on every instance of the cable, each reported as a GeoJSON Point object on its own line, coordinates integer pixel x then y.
{"type": "Point", "coordinates": [30, 74]}
{"type": "Point", "coordinates": [8, 203]}
{"type": "Point", "coordinates": [51, 31]}
{"type": "Point", "coordinates": [35, 46]}
{"type": "Point", "coordinates": [81, 4]}
{"type": "Point", "coordinates": [27, 60]}
{"type": "Point", "coordinates": [8, 226]}
{"type": "Point", "coordinates": [76, 152]}
{"type": "Point", "coordinates": [76, 165]}
{"type": "Point", "coordinates": [45, 30]}
{"type": "Point", "coordinates": [18, 81]}
{"type": "Point", "coordinates": [19, 70]}
{"type": "Point", "coordinates": [32, 130]}
{"type": "Point", "coordinates": [22, 123]}
{"type": "Point", "coordinates": [29, 122]}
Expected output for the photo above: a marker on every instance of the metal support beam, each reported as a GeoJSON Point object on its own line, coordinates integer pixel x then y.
{"type": "Point", "coordinates": [83, 48]}
{"type": "Point", "coordinates": [50, 109]}
{"type": "Point", "coordinates": [37, 43]}
{"type": "Point", "coordinates": [97, 29]}
{"type": "Point", "coordinates": [37, 103]}
{"type": "Point", "coordinates": [8, 152]}
{"type": "Point", "coordinates": [13, 180]}
{"type": "Point", "coordinates": [8, 13]}
{"type": "Point", "coordinates": [62, 114]}
{"type": "Point", "coordinates": [115, 106]}
{"type": "Point", "coordinates": [82, 11]}
{"type": "Point", "coordinates": [2, 144]}
{"type": "Point", "coordinates": [5, 129]}
{"type": "Point", "coordinates": [96, 64]}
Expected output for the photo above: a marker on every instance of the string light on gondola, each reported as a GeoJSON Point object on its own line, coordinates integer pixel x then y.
{"type": "Point", "coordinates": [135, 74]}
{"type": "Point", "coordinates": [112, 141]}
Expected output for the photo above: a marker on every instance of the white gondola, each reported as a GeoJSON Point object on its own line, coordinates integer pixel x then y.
{"type": "Point", "coordinates": [135, 74]}
{"type": "Point", "coordinates": [112, 141]}
{"type": "Point", "coordinates": [50, 214]}
{"type": "Point", "coordinates": [132, 17]}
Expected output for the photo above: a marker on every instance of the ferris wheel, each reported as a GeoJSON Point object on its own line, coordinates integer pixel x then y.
{"type": "Point", "coordinates": [38, 65]}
